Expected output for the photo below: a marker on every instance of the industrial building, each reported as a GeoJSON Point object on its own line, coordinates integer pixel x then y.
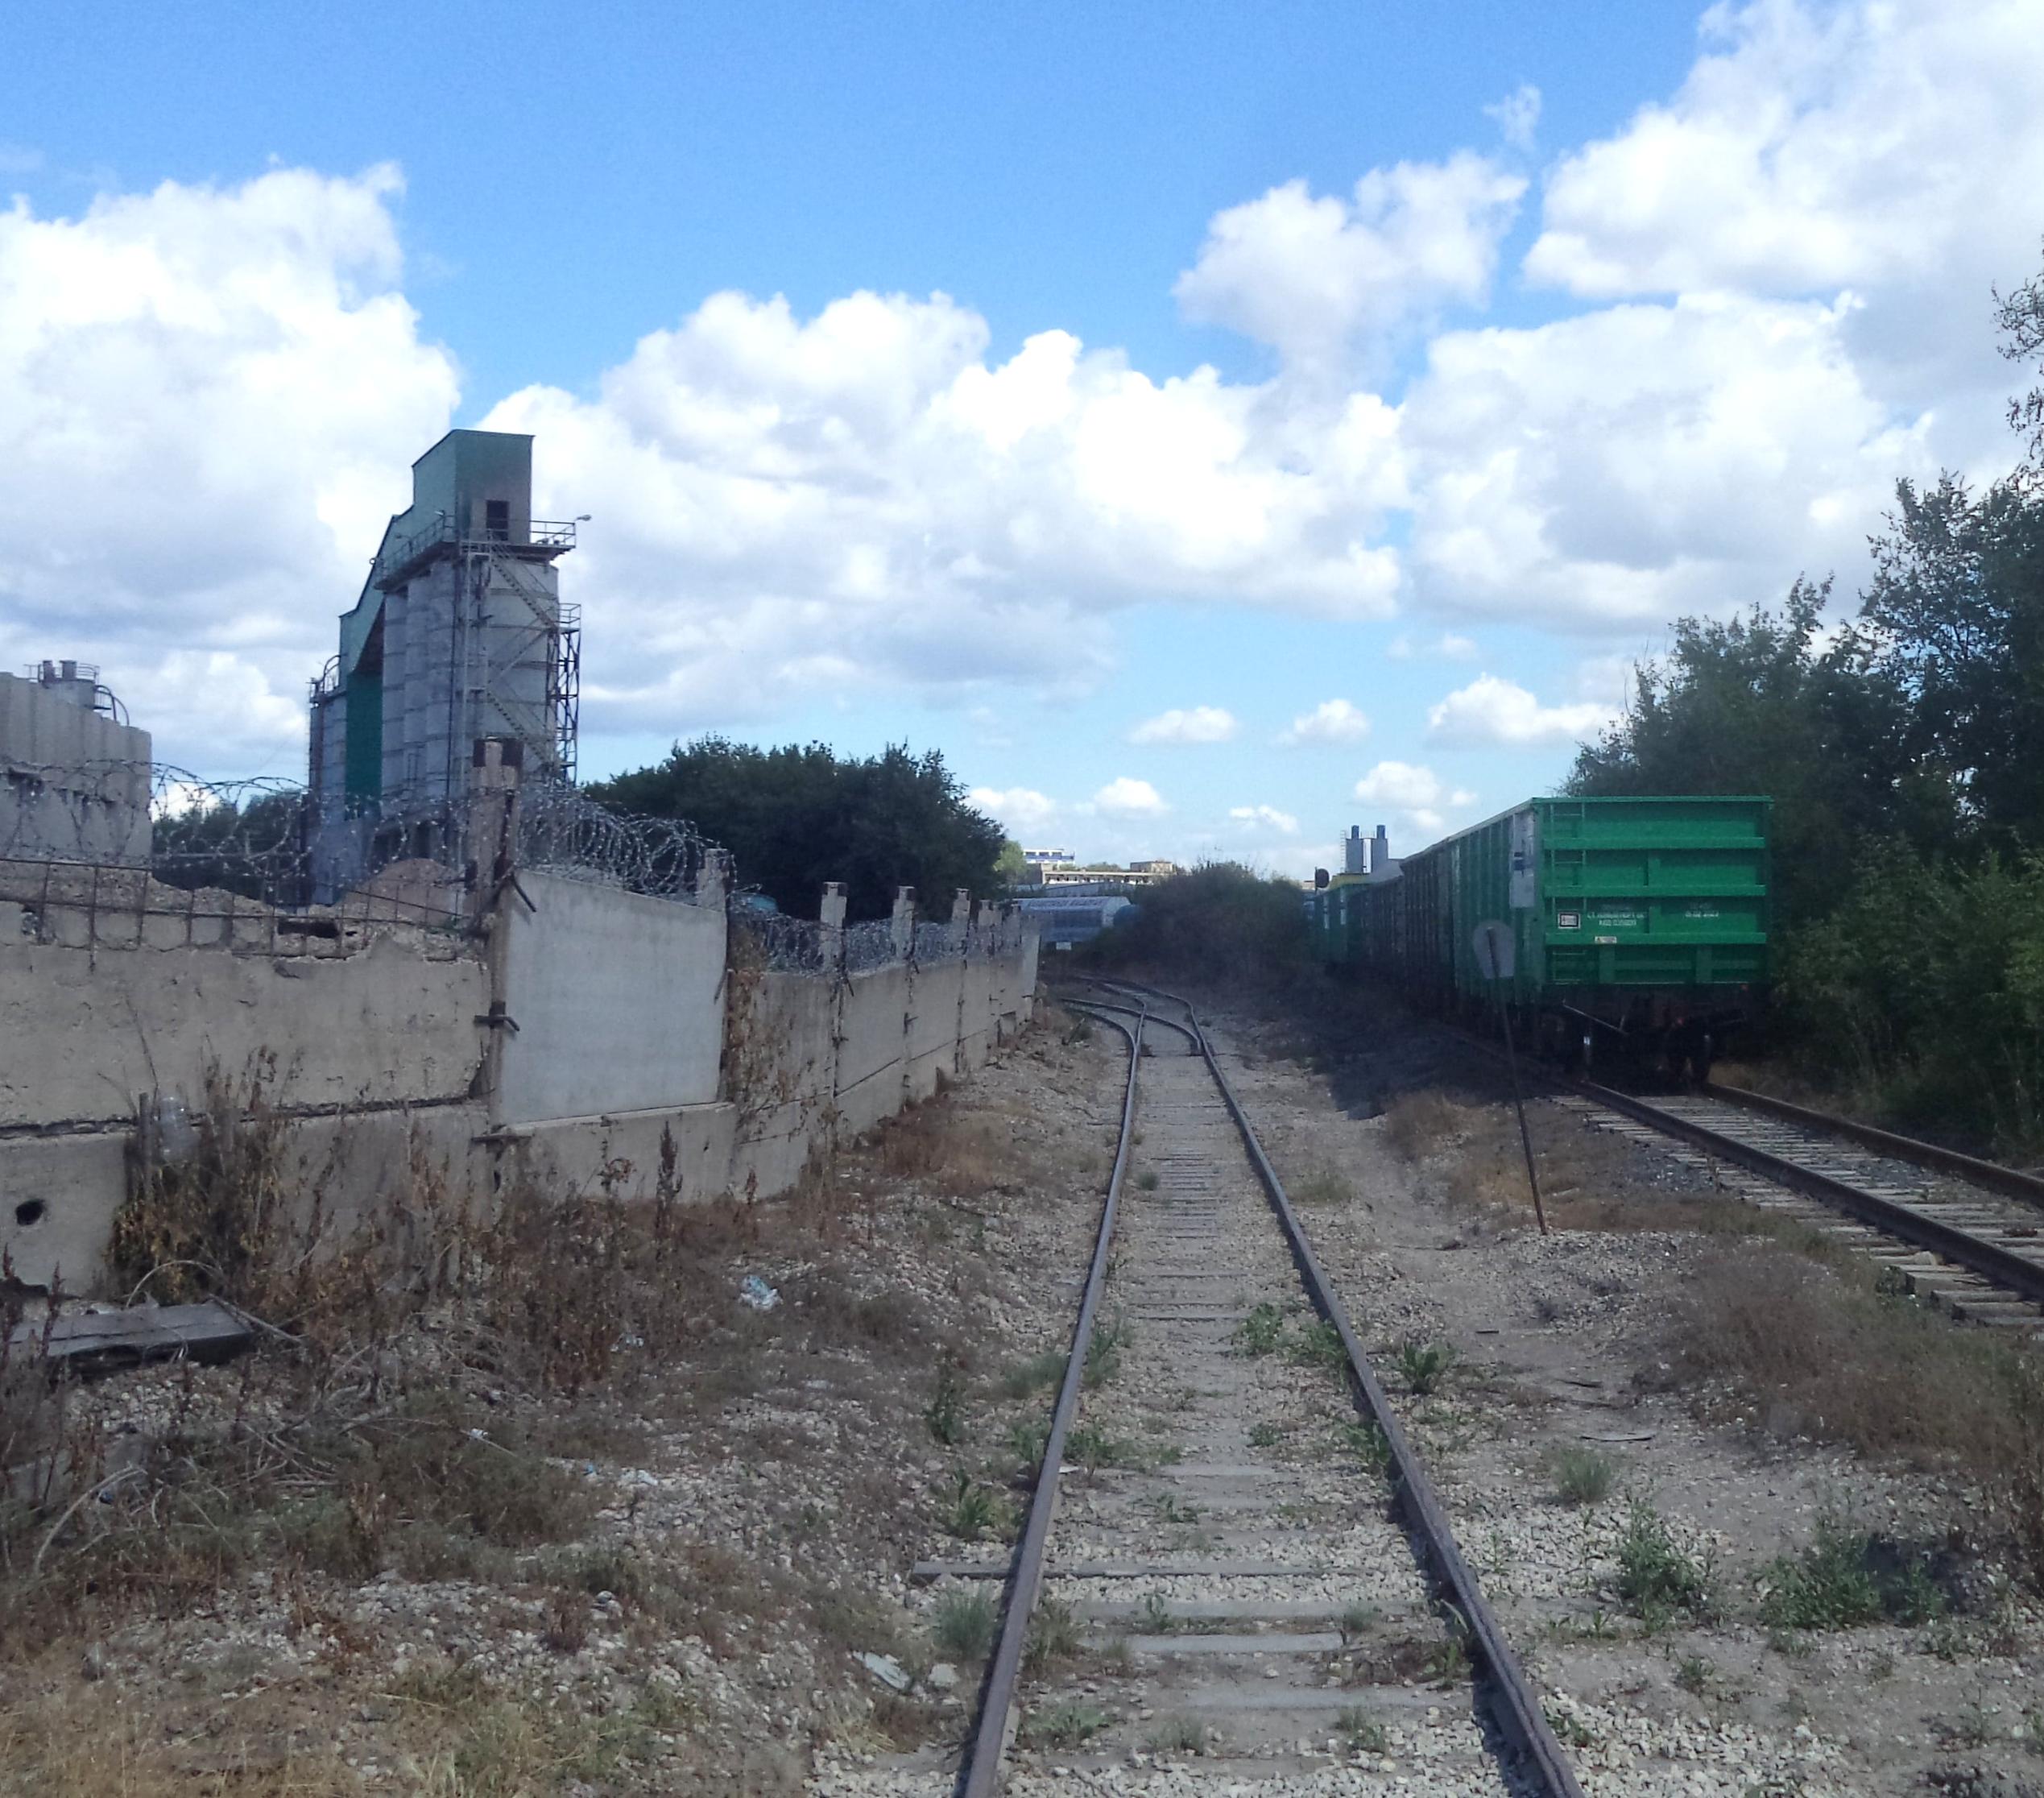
{"type": "Point", "coordinates": [1074, 916]}
{"type": "Point", "coordinates": [459, 654]}
{"type": "Point", "coordinates": [74, 774]}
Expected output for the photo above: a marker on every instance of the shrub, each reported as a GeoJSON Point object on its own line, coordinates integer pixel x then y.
{"type": "Point", "coordinates": [1847, 1577]}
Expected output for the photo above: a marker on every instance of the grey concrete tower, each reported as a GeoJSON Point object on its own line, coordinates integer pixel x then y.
{"type": "Point", "coordinates": [460, 640]}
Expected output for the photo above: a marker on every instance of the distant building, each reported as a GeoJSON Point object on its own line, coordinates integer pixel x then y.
{"type": "Point", "coordinates": [1363, 859]}
{"type": "Point", "coordinates": [459, 653]}
{"type": "Point", "coordinates": [74, 774]}
{"type": "Point", "coordinates": [1070, 917]}
{"type": "Point", "coordinates": [1136, 874]}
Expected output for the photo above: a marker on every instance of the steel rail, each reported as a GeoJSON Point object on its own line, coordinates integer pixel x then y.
{"type": "Point", "coordinates": [979, 1774]}
{"type": "Point", "coordinates": [2011, 1181]}
{"type": "Point", "coordinates": [1999, 1266]}
{"type": "Point", "coordinates": [1100, 1005]}
{"type": "Point", "coordinates": [1516, 1707]}
{"type": "Point", "coordinates": [1961, 1247]}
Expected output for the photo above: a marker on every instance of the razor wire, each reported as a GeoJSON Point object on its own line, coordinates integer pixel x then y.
{"type": "Point", "coordinates": [563, 831]}
{"type": "Point", "coordinates": [785, 945]}
{"type": "Point", "coordinates": [870, 946]}
{"type": "Point", "coordinates": [272, 840]}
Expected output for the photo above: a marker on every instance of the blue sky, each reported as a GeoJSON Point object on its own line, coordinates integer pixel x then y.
{"type": "Point", "coordinates": [1634, 311]}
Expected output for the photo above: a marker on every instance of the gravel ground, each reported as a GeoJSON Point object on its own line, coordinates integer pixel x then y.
{"type": "Point", "coordinates": [781, 1472]}
{"type": "Point", "coordinates": [1560, 1345]}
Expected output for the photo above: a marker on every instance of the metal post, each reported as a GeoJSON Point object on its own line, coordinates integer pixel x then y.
{"type": "Point", "coordinates": [1519, 1104]}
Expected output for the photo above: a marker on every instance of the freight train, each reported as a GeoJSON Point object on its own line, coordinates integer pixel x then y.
{"type": "Point", "coordinates": [1638, 928]}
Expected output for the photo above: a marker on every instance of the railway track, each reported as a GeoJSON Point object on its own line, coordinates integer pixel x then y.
{"type": "Point", "coordinates": [1262, 1588]}
{"type": "Point", "coordinates": [1967, 1235]}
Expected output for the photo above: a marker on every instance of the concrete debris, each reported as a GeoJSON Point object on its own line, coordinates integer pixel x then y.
{"type": "Point", "coordinates": [886, 1669]}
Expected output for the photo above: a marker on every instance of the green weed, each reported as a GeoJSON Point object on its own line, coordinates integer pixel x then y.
{"type": "Point", "coordinates": [945, 1413]}
{"type": "Point", "coordinates": [963, 1625]}
{"type": "Point", "coordinates": [1424, 1365]}
{"type": "Point", "coordinates": [1261, 1331]}
{"type": "Point", "coordinates": [1582, 1475]}
{"type": "Point", "coordinates": [1362, 1733]}
{"type": "Point", "coordinates": [1065, 1725]}
{"type": "Point", "coordinates": [1844, 1579]}
{"type": "Point", "coordinates": [1656, 1577]}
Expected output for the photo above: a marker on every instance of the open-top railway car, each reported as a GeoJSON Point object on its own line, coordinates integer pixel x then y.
{"type": "Point", "coordinates": [1639, 926]}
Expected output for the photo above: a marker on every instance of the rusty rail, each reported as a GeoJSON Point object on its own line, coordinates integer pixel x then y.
{"type": "Point", "coordinates": [979, 1773]}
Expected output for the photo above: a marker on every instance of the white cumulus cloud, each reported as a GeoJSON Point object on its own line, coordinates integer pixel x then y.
{"type": "Point", "coordinates": [1200, 724]}
{"type": "Point", "coordinates": [1311, 274]}
{"type": "Point", "coordinates": [1397, 783]}
{"type": "Point", "coordinates": [1770, 288]}
{"type": "Point", "coordinates": [1023, 810]}
{"type": "Point", "coordinates": [1490, 710]}
{"type": "Point", "coordinates": [1815, 149]}
{"type": "Point", "coordinates": [1126, 797]}
{"type": "Point", "coordinates": [1419, 797]}
{"type": "Point", "coordinates": [1331, 721]}
{"type": "Point", "coordinates": [210, 398]}
{"type": "Point", "coordinates": [1267, 815]}
{"type": "Point", "coordinates": [1517, 115]}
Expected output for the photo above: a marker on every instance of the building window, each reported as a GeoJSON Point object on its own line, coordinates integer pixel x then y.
{"type": "Point", "coordinates": [497, 520]}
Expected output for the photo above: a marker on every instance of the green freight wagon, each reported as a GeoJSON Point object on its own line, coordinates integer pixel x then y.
{"type": "Point", "coordinates": [1638, 925]}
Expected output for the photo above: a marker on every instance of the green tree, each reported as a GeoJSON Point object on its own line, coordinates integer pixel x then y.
{"type": "Point", "coordinates": [254, 846]}
{"type": "Point", "coordinates": [1219, 921]}
{"type": "Point", "coordinates": [1756, 705]}
{"type": "Point", "coordinates": [1955, 621]}
{"type": "Point", "coordinates": [798, 816]}
{"type": "Point", "coordinates": [2021, 316]}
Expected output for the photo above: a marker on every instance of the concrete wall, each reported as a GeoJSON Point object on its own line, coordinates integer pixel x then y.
{"type": "Point", "coordinates": [617, 999]}
{"type": "Point", "coordinates": [381, 1052]}
{"type": "Point", "coordinates": [358, 1037]}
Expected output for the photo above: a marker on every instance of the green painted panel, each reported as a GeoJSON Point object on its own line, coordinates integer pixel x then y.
{"type": "Point", "coordinates": [365, 762]}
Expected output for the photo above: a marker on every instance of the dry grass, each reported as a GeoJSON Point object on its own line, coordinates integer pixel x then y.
{"type": "Point", "coordinates": [57, 1747]}
{"type": "Point", "coordinates": [1821, 1351]}
{"type": "Point", "coordinates": [443, 1367]}
{"type": "Point", "coordinates": [1420, 1122]}
{"type": "Point", "coordinates": [967, 1156]}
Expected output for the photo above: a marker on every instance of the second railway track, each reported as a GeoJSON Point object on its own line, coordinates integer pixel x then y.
{"type": "Point", "coordinates": [1975, 1249]}
{"type": "Point", "coordinates": [1289, 1619]}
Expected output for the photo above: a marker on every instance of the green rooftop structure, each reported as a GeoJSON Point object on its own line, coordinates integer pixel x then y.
{"type": "Point", "coordinates": [458, 652]}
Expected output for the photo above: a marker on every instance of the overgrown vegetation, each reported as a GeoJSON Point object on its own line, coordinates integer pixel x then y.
{"type": "Point", "coordinates": [1902, 746]}
{"type": "Point", "coordinates": [1219, 924]}
{"type": "Point", "coordinates": [1658, 1577]}
{"type": "Point", "coordinates": [1848, 1576]}
{"type": "Point", "coordinates": [445, 1397]}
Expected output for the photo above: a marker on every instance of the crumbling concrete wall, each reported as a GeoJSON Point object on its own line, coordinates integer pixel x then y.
{"type": "Point", "coordinates": [376, 1030]}
{"type": "Point", "coordinates": [577, 1035]}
